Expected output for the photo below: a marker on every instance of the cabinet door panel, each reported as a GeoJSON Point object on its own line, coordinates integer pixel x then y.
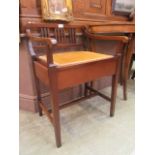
{"type": "Point", "coordinates": [30, 7]}
{"type": "Point", "coordinates": [28, 3]}
{"type": "Point", "coordinates": [89, 8]}
{"type": "Point", "coordinates": [96, 6]}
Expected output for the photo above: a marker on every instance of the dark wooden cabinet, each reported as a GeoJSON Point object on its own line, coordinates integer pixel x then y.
{"type": "Point", "coordinates": [83, 10]}
{"type": "Point", "coordinates": [30, 8]}
{"type": "Point", "coordinates": [90, 12]}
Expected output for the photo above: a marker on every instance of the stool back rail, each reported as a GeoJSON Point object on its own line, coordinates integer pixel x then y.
{"type": "Point", "coordinates": [60, 76]}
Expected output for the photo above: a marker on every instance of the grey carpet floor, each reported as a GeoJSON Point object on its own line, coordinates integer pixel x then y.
{"type": "Point", "coordinates": [86, 128]}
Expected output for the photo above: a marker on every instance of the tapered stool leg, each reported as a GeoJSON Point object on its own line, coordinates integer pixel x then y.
{"type": "Point", "coordinates": [125, 89]}
{"type": "Point", "coordinates": [85, 89]}
{"type": "Point", "coordinates": [37, 83]}
{"type": "Point", "coordinates": [38, 96]}
{"type": "Point", "coordinates": [91, 85]}
{"type": "Point", "coordinates": [113, 96]}
{"type": "Point", "coordinates": [124, 79]}
{"type": "Point", "coordinates": [130, 49]}
{"type": "Point", "coordinates": [55, 104]}
{"type": "Point", "coordinates": [56, 118]}
{"type": "Point", "coordinates": [114, 89]}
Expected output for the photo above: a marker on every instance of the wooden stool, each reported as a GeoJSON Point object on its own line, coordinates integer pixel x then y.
{"type": "Point", "coordinates": [67, 69]}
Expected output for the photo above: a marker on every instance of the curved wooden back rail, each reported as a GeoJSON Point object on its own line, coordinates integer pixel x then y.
{"type": "Point", "coordinates": [124, 49]}
{"type": "Point", "coordinates": [67, 69]}
{"type": "Point", "coordinates": [127, 29]}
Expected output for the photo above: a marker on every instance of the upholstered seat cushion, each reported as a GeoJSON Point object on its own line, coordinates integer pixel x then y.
{"type": "Point", "coordinates": [74, 57]}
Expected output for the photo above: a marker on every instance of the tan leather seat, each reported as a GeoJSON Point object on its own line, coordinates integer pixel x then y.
{"type": "Point", "coordinates": [73, 57]}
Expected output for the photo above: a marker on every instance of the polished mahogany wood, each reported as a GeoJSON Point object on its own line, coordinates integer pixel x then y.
{"type": "Point", "coordinates": [125, 29]}
{"type": "Point", "coordinates": [113, 27]}
{"type": "Point", "coordinates": [83, 10]}
{"type": "Point", "coordinates": [66, 42]}
{"type": "Point", "coordinates": [82, 69]}
{"type": "Point", "coordinates": [30, 11]}
{"type": "Point", "coordinates": [41, 72]}
{"type": "Point", "coordinates": [83, 74]}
